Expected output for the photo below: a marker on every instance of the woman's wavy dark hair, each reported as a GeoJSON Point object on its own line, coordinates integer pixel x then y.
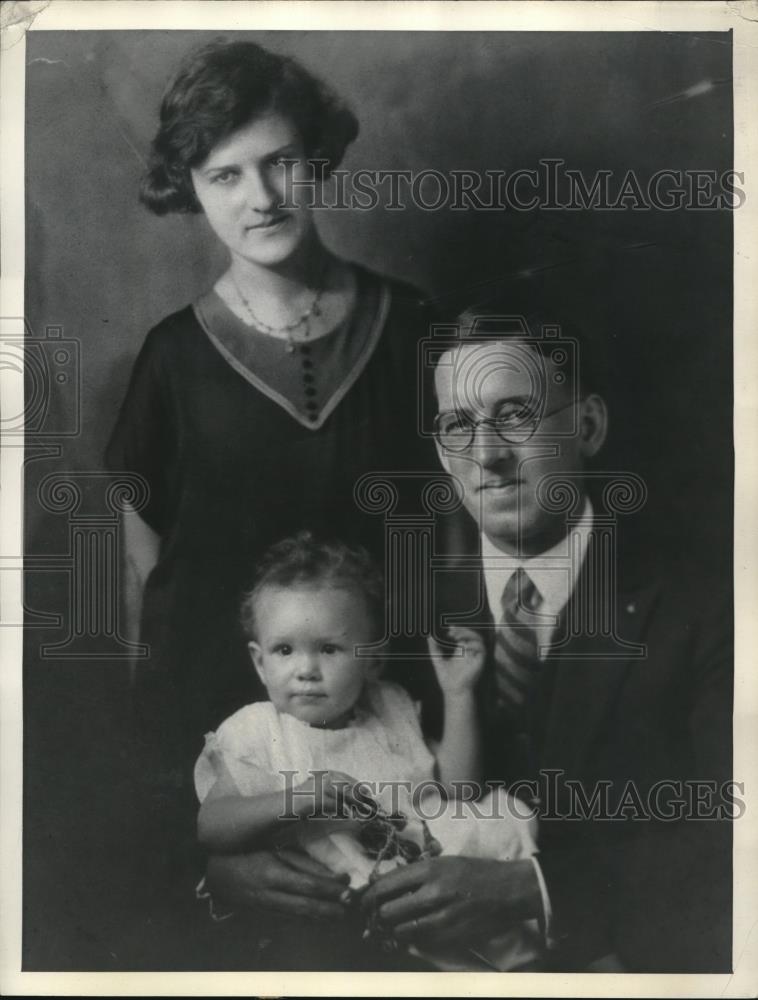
{"type": "Point", "coordinates": [305, 560]}
{"type": "Point", "coordinates": [221, 87]}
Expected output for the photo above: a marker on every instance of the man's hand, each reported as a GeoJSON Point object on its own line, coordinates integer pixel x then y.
{"type": "Point", "coordinates": [454, 900]}
{"type": "Point", "coordinates": [459, 672]}
{"type": "Point", "coordinates": [283, 880]}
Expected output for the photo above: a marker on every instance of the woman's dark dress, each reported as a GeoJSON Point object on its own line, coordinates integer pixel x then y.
{"type": "Point", "coordinates": [232, 468]}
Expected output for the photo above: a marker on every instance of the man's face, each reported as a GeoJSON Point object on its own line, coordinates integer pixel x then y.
{"type": "Point", "coordinates": [526, 393]}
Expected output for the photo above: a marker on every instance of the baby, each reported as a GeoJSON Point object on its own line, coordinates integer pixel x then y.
{"type": "Point", "coordinates": [336, 745]}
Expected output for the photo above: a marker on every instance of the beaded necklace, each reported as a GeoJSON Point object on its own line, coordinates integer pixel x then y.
{"type": "Point", "coordinates": [287, 329]}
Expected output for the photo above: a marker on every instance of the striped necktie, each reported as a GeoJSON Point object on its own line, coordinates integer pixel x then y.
{"type": "Point", "coordinates": [517, 660]}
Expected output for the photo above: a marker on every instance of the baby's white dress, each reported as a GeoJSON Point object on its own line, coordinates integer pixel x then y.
{"type": "Point", "coordinates": [258, 747]}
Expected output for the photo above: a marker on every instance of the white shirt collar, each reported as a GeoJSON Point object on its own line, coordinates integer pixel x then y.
{"type": "Point", "coordinates": [553, 573]}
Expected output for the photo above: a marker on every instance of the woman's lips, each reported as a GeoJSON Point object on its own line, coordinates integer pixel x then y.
{"type": "Point", "coordinates": [500, 485]}
{"type": "Point", "coordinates": [269, 226]}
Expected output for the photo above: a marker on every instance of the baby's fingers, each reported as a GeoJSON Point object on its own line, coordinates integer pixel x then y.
{"type": "Point", "coordinates": [341, 778]}
{"type": "Point", "coordinates": [340, 785]}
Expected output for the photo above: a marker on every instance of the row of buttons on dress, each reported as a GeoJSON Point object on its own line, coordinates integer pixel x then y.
{"type": "Point", "coordinates": [311, 406]}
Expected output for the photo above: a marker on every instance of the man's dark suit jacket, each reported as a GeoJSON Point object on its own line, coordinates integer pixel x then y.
{"type": "Point", "coordinates": [655, 892]}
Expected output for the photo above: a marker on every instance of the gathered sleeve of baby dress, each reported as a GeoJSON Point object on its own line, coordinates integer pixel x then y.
{"type": "Point", "coordinates": [398, 718]}
{"type": "Point", "coordinates": [237, 757]}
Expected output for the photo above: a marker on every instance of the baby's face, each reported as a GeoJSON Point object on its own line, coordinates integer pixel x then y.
{"type": "Point", "coordinates": [305, 653]}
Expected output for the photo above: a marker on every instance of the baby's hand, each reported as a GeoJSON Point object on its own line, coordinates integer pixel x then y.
{"type": "Point", "coordinates": [326, 793]}
{"type": "Point", "coordinates": [458, 674]}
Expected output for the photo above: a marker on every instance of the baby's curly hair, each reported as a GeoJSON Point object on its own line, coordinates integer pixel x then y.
{"type": "Point", "coordinates": [305, 560]}
{"type": "Point", "coordinates": [219, 88]}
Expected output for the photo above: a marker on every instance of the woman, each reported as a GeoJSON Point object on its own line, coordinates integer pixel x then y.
{"type": "Point", "coordinates": [252, 412]}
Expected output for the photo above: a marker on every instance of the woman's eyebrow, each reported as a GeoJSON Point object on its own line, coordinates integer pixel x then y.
{"type": "Point", "coordinates": [270, 155]}
{"type": "Point", "coordinates": [219, 168]}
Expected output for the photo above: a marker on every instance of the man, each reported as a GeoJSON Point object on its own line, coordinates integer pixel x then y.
{"type": "Point", "coordinates": [607, 689]}
{"type": "Point", "coordinates": [602, 681]}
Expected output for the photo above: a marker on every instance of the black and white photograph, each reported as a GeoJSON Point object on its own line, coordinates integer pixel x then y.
{"type": "Point", "coordinates": [374, 437]}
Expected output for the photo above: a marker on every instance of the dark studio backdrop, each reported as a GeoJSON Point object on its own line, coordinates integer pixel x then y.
{"type": "Point", "coordinates": [656, 286]}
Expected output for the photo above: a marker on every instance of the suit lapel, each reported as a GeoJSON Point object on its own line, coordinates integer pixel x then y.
{"type": "Point", "coordinates": [597, 642]}
{"type": "Point", "coordinates": [585, 669]}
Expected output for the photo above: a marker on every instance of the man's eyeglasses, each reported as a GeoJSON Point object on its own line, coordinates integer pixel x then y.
{"type": "Point", "coordinates": [513, 423]}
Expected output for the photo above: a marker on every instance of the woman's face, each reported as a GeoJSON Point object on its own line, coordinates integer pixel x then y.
{"type": "Point", "coordinates": [243, 182]}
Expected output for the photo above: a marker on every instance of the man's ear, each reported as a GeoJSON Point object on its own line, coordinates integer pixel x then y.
{"type": "Point", "coordinates": [256, 655]}
{"type": "Point", "coordinates": [593, 427]}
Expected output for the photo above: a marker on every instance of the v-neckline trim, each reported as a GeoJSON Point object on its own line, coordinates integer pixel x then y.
{"type": "Point", "coordinates": [358, 366]}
